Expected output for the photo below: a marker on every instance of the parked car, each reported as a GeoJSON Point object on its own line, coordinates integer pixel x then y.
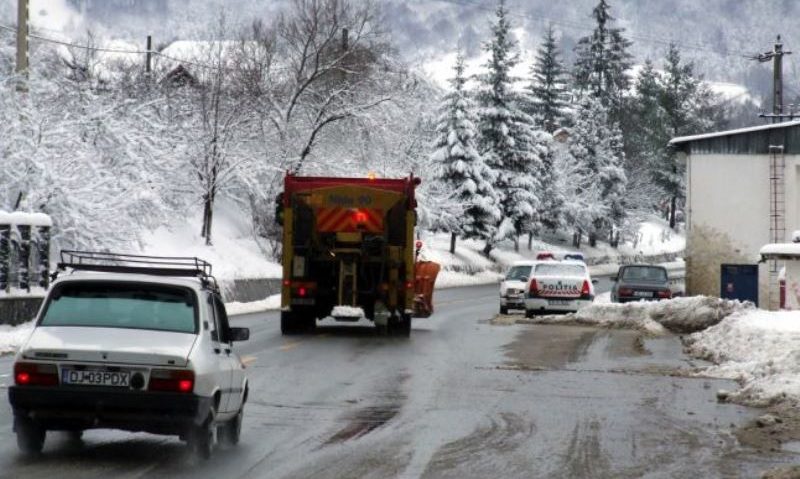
{"type": "Point", "coordinates": [558, 286]}
{"type": "Point", "coordinates": [132, 343]}
{"type": "Point", "coordinates": [640, 282]}
{"type": "Point", "coordinates": [514, 286]}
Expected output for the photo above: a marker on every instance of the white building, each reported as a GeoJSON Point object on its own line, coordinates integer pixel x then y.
{"type": "Point", "coordinates": [743, 191]}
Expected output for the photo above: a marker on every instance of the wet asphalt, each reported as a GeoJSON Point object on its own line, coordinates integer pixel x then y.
{"type": "Point", "coordinates": [461, 398]}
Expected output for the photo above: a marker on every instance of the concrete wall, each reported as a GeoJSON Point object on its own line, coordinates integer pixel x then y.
{"type": "Point", "coordinates": [728, 213]}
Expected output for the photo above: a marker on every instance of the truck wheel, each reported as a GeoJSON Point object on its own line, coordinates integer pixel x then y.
{"type": "Point", "coordinates": [288, 323]}
{"type": "Point", "coordinates": [404, 328]}
{"type": "Point", "coordinates": [308, 323]}
{"type": "Point", "coordinates": [503, 310]}
{"type": "Point", "coordinates": [30, 435]}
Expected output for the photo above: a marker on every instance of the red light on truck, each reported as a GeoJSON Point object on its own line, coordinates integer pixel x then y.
{"type": "Point", "coordinates": [287, 283]}
{"type": "Point", "coordinates": [301, 292]}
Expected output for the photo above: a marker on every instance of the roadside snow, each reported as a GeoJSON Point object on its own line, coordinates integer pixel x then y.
{"type": "Point", "coordinates": [12, 337]}
{"type": "Point", "coordinates": [759, 349]}
{"type": "Point", "coordinates": [454, 279]}
{"type": "Point", "coordinates": [679, 315]}
{"type": "Point", "coordinates": [234, 253]}
{"type": "Point", "coordinates": [270, 303]}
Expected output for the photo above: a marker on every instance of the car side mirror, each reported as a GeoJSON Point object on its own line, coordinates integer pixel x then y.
{"type": "Point", "coordinates": [239, 334]}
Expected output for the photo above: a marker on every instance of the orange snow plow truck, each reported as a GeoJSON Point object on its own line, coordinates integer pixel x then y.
{"type": "Point", "coordinates": [349, 253]}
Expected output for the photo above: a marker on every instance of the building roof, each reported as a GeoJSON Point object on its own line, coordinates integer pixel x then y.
{"type": "Point", "coordinates": [751, 140]}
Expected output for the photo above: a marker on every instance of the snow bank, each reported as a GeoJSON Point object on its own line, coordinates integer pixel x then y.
{"type": "Point", "coordinates": [234, 254]}
{"type": "Point", "coordinates": [759, 349]}
{"type": "Point", "coordinates": [679, 315]}
{"type": "Point", "coordinates": [12, 337]}
{"type": "Point", "coordinates": [454, 279]}
{"type": "Point", "coordinates": [270, 303]}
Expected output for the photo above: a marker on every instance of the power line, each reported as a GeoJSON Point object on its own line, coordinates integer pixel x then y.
{"type": "Point", "coordinates": [116, 50]}
{"type": "Point", "coordinates": [585, 28]}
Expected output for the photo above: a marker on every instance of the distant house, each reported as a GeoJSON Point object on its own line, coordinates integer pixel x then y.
{"type": "Point", "coordinates": [743, 191]}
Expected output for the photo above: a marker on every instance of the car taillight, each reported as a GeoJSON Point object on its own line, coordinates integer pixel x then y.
{"type": "Point", "coordinates": [534, 289]}
{"type": "Point", "coordinates": [586, 289]}
{"type": "Point", "coordinates": [625, 292]}
{"type": "Point", "coordinates": [171, 380]}
{"type": "Point", "coordinates": [35, 374]}
{"type": "Point", "coordinates": [665, 294]}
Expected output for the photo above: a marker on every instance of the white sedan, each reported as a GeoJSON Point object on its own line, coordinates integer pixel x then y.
{"type": "Point", "coordinates": [137, 348]}
{"type": "Point", "coordinates": [514, 286]}
{"type": "Point", "coordinates": [558, 287]}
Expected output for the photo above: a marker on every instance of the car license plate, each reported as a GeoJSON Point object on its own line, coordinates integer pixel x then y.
{"type": "Point", "coordinates": [557, 302]}
{"type": "Point", "coordinates": [643, 294]}
{"type": "Point", "coordinates": [90, 377]}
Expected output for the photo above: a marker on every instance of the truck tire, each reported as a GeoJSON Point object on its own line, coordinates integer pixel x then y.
{"type": "Point", "coordinates": [503, 310]}
{"type": "Point", "coordinates": [400, 327]}
{"type": "Point", "coordinates": [288, 324]}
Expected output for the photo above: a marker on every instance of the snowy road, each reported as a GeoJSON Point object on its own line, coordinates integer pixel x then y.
{"type": "Point", "coordinates": [461, 398]}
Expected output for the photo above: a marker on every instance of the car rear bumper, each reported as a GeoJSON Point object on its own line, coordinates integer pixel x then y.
{"type": "Point", "coordinates": [73, 408]}
{"type": "Point", "coordinates": [556, 305]}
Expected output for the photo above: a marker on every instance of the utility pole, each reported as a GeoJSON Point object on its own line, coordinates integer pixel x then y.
{"type": "Point", "coordinates": [149, 55]}
{"type": "Point", "coordinates": [22, 37]}
{"type": "Point", "coordinates": [776, 55]}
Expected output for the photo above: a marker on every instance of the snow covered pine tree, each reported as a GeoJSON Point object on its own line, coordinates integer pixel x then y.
{"type": "Point", "coordinates": [460, 169]}
{"type": "Point", "coordinates": [549, 85]}
{"type": "Point", "coordinates": [508, 141]}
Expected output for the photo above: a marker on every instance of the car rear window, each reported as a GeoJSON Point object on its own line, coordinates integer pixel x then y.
{"type": "Point", "coordinates": [519, 273]}
{"type": "Point", "coordinates": [122, 305]}
{"type": "Point", "coordinates": [644, 273]}
{"type": "Point", "coordinates": [560, 269]}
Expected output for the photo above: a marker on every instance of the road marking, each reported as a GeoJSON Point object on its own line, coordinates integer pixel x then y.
{"type": "Point", "coordinates": [293, 344]}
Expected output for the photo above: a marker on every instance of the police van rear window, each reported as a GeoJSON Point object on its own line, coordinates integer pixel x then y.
{"type": "Point", "coordinates": [122, 305]}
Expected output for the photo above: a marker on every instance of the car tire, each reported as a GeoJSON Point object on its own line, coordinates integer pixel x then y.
{"type": "Point", "coordinates": [30, 435]}
{"type": "Point", "coordinates": [231, 431]}
{"type": "Point", "coordinates": [503, 310]}
{"type": "Point", "coordinates": [201, 438]}
{"type": "Point", "coordinates": [529, 313]}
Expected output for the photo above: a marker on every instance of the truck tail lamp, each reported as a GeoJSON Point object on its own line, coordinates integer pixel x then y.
{"type": "Point", "coordinates": [171, 380]}
{"type": "Point", "coordinates": [35, 374]}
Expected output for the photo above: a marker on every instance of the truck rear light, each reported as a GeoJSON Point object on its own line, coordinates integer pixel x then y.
{"type": "Point", "coordinates": [586, 290]}
{"type": "Point", "coordinates": [409, 285]}
{"type": "Point", "coordinates": [287, 283]}
{"type": "Point", "coordinates": [171, 380]}
{"type": "Point", "coordinates": [665, 294]}
{"type": "Point", "coordinates": [301, 291]}
{"type": "Point", "coordinates": [625, 292]}
{"type": "Point", "coordinates": [534, 289]}
{"type": "Point", "coordinates": [35, 374]}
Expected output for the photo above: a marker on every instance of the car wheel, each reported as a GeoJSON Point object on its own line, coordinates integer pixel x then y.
{"type": "Point", "coordinates": [232, 430]}
{"type": "Point", "coordinates": [529, 313]}
{"type": "Point", "coordinates": [30, 435]}
{"type": "Point", "coordinates": [201, 438]}
{"type": "Point", "coordinates": [503, 310]}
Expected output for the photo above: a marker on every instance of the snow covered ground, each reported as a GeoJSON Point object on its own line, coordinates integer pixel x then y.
{"type": "Point", "coordinates": [759, 349]}
{"type": "Point", "coordinates": [270, 303]}
{"type": "Point", "coordinates": [679, 315]}
{"type": "Point", "coordinates": [234, 254]}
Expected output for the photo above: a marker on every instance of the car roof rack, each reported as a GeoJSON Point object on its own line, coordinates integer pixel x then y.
{"type": "Point", "coordinates": [181, 266]}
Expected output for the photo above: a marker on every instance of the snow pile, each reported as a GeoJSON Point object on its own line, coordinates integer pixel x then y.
{"type": "Point", "coordinates": [234, 254]}
{"type": "Point", "coordinates": [679, 315]}
{"type": "Point", "coordinates": [347, 312]}
{"type": "Point", "coordinates": [759, 349]}
{"type": "Point", "coordinates": [12, 337]}
{"type": "Point", "coordinates": [270, 303]}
